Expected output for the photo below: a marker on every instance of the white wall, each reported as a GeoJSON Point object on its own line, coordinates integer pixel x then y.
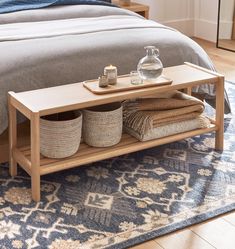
{"type": "Point", "coordinates": [192, 17]}
{"type": "Point", "coordinates": [226, 19]}
{"type": "Point", "coordinates": [205, 22]}
{"type": "Point", "coordinates": [178, 14]}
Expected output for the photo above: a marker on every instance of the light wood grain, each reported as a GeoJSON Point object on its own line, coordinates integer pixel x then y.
{"type": "Point", "coordinates": [184, 239]}
{"type": "Point", "coordinates": [223, 60]}
{"type": "Point", "coordinates": [89, 154]}
{"type": "Point", "coordinates": [219, 137]}
{"type": "Point", "coordinates": [24, 162]}
{"type": "Point", "coordinates": [204, 69]}
{"type": "Point", "coordinates": [148, 245]}
{"type": "Point", "coordinates": [124, 84]}
{"type": "Point", "coordinates": [76, 96]}
{"type": "Point", "coordinates": [23, 106]}
{"type": "Point", "coordinates": [230, 218]}
{"type": "Point", "coordinates": [218, 233]}
{"type": "Point", "coordinates": [138, 8]}
{"type": "Point", "coordinates": [227, 44]}
{"type": "Point", "coordinates": [12, 137]}
{"type": "Point", "coordinates": [35, 155]}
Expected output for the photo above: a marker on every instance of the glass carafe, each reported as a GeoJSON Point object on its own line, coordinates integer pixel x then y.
{"type": "Point", "coordinates": [150, 67]}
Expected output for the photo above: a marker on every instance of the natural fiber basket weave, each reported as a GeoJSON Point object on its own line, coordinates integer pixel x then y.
{"type": "Point", "coordinates": [60, 134]}
{"type": "Point", "coordinates": [102, 125]}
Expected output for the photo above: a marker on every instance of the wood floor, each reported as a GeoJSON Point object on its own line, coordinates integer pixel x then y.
{"type": "Point", "coordinates": [217, 233]}
{"type": "Point", "coordinates": [225, 43]}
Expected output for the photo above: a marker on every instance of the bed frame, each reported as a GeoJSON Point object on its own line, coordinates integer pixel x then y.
{"type": "Point", "coordinates": [4, 144]}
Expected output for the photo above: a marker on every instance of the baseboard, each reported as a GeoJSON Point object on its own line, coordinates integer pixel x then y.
{"type": "Point", "coordinates": [205, 29]}
{"type": "Point", "coordinates": [186, 26]}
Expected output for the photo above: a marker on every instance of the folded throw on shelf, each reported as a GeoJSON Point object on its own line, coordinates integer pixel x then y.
{"type": "Point", "coordinates": [144, 114]}
{"type": "Point", "coordinates": [170, 129]}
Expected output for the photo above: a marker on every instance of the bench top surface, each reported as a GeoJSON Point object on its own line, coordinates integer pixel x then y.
{"type": "Point", "coordinates": [76, 96]}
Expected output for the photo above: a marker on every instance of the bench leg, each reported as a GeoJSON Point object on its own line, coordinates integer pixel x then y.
{"type": "Point", "coordinates": [35, 156]}
{"type": "Point", "coordinates": [12, 138]}
{"type": "Point", "coordinates": [219, 119]}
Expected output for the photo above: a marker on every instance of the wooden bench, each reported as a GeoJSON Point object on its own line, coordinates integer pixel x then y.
{"type": "Point", "coordinates": [37, 103]}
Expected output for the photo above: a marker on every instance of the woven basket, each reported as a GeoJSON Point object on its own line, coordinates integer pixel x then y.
{"type": "Point", "coordinates": [60, 134]}
{"type": "Point", "coordinates": [102, 125]}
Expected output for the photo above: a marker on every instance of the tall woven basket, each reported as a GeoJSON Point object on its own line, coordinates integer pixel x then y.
{"type": "Point", "coordinates": [102, 125]}
{"type": "Point", "coordinates": [60, 134]}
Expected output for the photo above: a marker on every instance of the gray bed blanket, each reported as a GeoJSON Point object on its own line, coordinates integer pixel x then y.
{"type": "Point", "coordinates": [66, 44]}
{"type": "Point", "coordinates": [64, 27]}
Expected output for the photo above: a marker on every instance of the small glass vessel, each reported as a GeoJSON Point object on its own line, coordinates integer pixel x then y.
{"type": "Point", "coordinates": [135, 78]}
{"type": "Point", "coordinates": [150, 67]}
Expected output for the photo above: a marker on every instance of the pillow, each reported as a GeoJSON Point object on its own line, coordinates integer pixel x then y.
{"type": "Point", "coordinates": [7, 6]}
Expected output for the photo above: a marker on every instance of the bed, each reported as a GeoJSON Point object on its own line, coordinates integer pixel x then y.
{"type": "Point", "coordinates": [62, 44]}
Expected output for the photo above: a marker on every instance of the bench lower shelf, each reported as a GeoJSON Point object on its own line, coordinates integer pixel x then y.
{"type": "Point", "coordinates": [87, 154]}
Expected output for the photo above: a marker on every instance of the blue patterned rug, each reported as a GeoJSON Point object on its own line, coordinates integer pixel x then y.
{"type": "Point", "coordinates": [123, 201]}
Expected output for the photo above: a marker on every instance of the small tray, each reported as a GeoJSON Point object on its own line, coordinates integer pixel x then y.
{"type": "Point", "coordinates": [124, 84]}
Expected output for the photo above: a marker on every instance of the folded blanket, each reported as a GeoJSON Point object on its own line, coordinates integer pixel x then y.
{"type": "Point", "coordinates": [170, 129]}
{"type": "Point", "coordinates": [145, 114]}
